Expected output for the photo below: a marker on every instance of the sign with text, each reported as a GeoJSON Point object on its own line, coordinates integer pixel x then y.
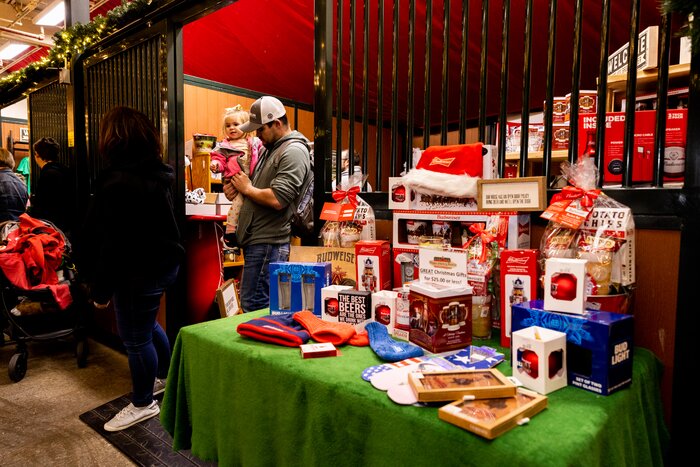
{"type": "Point", "coordinates": [443, 267]}
{"type": "Point", "coordinates": [647, 53]}
{"type": "Point", "coordinates": [512, 194]}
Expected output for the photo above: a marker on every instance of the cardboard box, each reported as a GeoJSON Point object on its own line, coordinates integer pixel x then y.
{"type": "Point", "coordinates": [355, 307]}
{"type": "Point", "coordinates": [405, 265]}
{"type": "Point", "coordinates": [402, 323]}
{"type": "Point", "coordinates": [564, 285]}
{"type": "Point", "coordinates": [441, 317]}
{"type": "Point", "coordinates": [519, 281]}
{"type": "Point", "coordinates": [329, 298]}
{"type": "Point", "coordinates": [560, 136]}
{"type": "Point", "coordinates": [518, 227]}
{"type": "Point", "coordinates": [373, 260]}
{"type": "Point", "coordinates": [384, 308]}
{"type": "Point", "coordinates": [587, 103]}
{"type": "Point", "coordinates": [200, 209]}
{"type": "Point", "coordinates": [643, 144]}
{"type": "Point", "coordinates": [599, 344]}
{"type": "Point", "coordinates": [342, 261]}
{"type": "Point", "coordinates": [297, 286]}
{"type": "Point", "coordinates": [490, 169]}
{"type": "Point", "coordinates": [539, 358]}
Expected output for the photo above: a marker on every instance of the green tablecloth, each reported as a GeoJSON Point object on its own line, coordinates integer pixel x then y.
{"type": "Point", "coordinates": [242, 402]}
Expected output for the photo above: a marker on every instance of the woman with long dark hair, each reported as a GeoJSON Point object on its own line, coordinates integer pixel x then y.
{"type": "Point", "coordinates": [132, 250]}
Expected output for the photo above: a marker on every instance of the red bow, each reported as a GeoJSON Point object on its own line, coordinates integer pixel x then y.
{"type": "Point", "coordinates": [351, 195]}
{"type": "Point", "coordinates": [486, 237]}
{"type": "Point", "coordinates": [570, 193]}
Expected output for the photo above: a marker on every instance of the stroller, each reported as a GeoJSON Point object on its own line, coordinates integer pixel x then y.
{"type": "Point", "coordinates": [40, 297]}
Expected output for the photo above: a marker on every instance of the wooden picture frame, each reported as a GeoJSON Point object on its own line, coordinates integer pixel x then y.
{"type": "Point", "coordinates": [491, 418]}
{"type": "Point", "coordinates": [512, 194]}
{"type": "Point", "coordinates": [227, 299]}
{"type": "Point", "coordinates": [452, 385]}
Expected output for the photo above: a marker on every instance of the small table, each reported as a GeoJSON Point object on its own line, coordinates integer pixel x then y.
{"type": "Point", "coordinates": [242, 402]}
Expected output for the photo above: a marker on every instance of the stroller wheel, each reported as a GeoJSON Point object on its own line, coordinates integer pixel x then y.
{"type": "Point", "coordinates": [18, 366]}
{"type": "Point", "coordinates": [81, 352]}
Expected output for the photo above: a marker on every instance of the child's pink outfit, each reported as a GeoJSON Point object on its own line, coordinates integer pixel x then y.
{"type": "Point", "coordinates": [230, 157]}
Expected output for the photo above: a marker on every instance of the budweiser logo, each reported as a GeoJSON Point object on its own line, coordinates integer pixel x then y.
{"type": "Point", "coordinates": [442, 162]}
{"type": "Point", "coordinates": [366, 251]}
{"type": "Point", "coordinates": [516, 260]}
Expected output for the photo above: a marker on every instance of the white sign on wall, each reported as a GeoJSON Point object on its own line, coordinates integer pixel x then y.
{"type": "Point", "coordinates": [647, 53]}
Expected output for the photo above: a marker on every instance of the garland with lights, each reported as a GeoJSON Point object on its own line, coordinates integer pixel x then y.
{"type": "Point", "coordinates": [71, 42]}
{"type": "Point", "coordinates": [691, 10]}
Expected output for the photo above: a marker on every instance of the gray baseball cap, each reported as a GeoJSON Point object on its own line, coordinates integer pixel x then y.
{"type": "Point", "coordinates": [263, 110]}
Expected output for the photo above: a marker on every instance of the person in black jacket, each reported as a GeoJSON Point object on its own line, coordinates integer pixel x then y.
{"type": "Point", "coordinates": [53, 198]}
{"type": "Point", "coordinates": [132, 251]}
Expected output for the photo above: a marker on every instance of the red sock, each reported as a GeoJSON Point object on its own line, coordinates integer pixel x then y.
{"type": "Point", "coordinates": [323, 331]}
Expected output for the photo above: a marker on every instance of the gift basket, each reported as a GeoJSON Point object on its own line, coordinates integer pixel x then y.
{"type": "Point", "coordinates": [351, 219]}
{"type": "Point", "coordinates": [584, 223]}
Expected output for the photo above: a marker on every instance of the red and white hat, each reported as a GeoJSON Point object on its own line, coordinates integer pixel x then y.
{"type": "Point", "coordinates": [448, 171]}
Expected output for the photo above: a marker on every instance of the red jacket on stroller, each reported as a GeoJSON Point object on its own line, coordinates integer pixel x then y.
{"type": "Point", "coordinates": [31, 255]}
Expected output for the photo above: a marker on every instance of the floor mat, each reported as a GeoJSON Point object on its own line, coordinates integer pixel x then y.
{"type": "Point", "coordinates": [146, 443]}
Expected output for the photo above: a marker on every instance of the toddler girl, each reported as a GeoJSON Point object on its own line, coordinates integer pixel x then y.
{"type": "Point", "coordinates": [237, 151]}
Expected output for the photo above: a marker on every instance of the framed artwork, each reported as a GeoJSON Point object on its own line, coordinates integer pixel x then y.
{"type": "Point", "coordinates": [227, 298]}
{"type": "Point", "coordinates": [24, 134]}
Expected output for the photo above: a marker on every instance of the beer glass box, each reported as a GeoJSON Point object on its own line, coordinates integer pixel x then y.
{"type": "Point", "coordinates": [598, 344]}
{"type": "Point", "coordinates": [297, 286]}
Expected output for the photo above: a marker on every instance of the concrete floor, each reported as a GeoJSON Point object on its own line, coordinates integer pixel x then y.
{"type": "Point", "coordinates": [39, 422]}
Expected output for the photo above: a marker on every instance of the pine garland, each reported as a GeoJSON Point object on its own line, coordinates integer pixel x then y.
{"type": "Point", "coordinates": [686, 8]}
{"type": "Point", "coordinates": [70, 43]}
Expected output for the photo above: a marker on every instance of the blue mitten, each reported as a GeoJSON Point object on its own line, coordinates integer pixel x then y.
{"type": "Point", "coordinates": [387, 348]}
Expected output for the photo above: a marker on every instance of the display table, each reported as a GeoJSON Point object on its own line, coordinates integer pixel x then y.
{"type": "Point", "coordinates": [242, 402]}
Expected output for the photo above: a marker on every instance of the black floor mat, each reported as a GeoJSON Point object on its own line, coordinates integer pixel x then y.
{"type": "Point", "coordinates": [146, 443]}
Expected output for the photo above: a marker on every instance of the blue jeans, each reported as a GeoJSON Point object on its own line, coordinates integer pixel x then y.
{"type": "Point", "coordinates": [147, 346]}
{"type": "Point", "coordinates": [255, 283]}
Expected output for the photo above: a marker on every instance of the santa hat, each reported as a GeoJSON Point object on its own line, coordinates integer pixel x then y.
{"type": "Point", "coordinates": [448, 171]}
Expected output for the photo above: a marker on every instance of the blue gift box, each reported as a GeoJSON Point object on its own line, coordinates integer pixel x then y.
{"type": "Point", "coordinates": [599, 344]}
{"type": "Point", "coordinates": [297, 286]}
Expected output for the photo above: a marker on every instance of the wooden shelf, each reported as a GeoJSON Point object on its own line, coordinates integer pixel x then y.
{"type": "Point", "coordinates": [619, 82]}
{"type": "Point", "coordinates": [537, 156]}
{"type": "Point", "coordinates": [231, 264]}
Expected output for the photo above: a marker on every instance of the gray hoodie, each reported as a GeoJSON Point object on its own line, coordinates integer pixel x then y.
{"type": "Point", "coordinates": [282, 169]}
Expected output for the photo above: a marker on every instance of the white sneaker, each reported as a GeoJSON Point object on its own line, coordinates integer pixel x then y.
{"type": "Point", "coordinates": [131, 415]}
{"type": "Point", "coordinates": [159, 386]}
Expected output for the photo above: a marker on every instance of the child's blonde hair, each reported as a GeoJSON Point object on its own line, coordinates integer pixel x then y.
{"type": "Point", "coordinates": [236, 111]}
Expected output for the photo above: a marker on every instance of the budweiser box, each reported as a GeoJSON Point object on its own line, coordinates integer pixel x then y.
{"type": "Point", "coordinates": [373, 262]}
{"type": "Point", "coordinates": [329, 297]}
{"type": "Point", "coordinates": [558, 109]}
{"type": "Point", "coordinates": [297, 286]}
{"type": "Point", "coordinates": [405, 265]}
{"type": "Point", "coordinates": [384, 308]}
{"type": "Point", "coordinates": [402, 322]}
{"type": "Point", "coordinates": [587, 103]}
{"type": "Point", "coordinates": [598, 344]}
{"type": "Point", "coordinates": [355, 307]}
{"type": "Point", "coordinates": [643, 145]}
{"type": "Point", "coordinates": [441, 317]}
{"type": "Point", "coordinates": [519, 277]}
{"type": "Point", "coordinates": [564, 285]}
{"type": "Point", "coordinates": [560, 136]}
{"type": "Point", "coordinates": [539, 358]}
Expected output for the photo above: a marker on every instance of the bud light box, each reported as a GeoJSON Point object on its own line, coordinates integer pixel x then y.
{"type": "Point", "coordinates": [297, 286]}
{"type": "Point", "coordinates": [599, 344]}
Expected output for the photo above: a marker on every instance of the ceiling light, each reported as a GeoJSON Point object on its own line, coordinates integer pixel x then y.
{"type": "Point", "coordinates": [11, 50]}
{"type": "Point", "coordinates": [52, 15]}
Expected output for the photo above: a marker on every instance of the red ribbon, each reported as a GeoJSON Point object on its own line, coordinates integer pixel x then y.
{"type": "Point", "coordinates": [486, 237]}
{"type": "Point", "coordinates": [351, 195]}
{"type": "Point", "coordinates": [570, 193]}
